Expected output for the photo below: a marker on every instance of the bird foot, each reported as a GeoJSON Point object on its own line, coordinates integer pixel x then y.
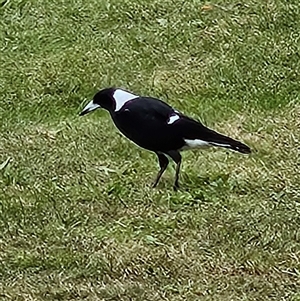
{"type": "Point", "coordinates": [176, 187]}
{"type": "Point", "coordinates": [153, 185]}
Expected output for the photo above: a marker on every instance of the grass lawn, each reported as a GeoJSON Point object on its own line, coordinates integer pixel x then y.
{"type": "Point", "coordinates": [78, 219]}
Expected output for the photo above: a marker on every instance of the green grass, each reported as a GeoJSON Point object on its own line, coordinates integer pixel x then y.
{"type": "Point", "coordinates": [78, 219]}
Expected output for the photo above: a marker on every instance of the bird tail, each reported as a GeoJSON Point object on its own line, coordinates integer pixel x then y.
{"type": "Point", "coordinates": [228, 142]}
{"type": "Point", "coordinates": [191, 129]}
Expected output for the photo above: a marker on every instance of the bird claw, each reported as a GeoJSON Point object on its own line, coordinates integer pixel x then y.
{"type": "Point", "coordinates": [176, 187]}
{"type": "Point", "coordinates": [154, 184]}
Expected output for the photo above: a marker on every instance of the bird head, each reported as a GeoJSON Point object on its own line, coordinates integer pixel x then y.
{"type": "Point", "coordinates": [110, 99]}
{"type": "Point", "coordinates": [102, 99]}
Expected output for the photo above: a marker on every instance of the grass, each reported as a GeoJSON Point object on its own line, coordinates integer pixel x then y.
{"type": "Point", "coordinates": [78, 219]}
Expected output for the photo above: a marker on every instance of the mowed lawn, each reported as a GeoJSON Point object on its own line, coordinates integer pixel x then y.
{"type": "Point", "coordinates": [78, 218]}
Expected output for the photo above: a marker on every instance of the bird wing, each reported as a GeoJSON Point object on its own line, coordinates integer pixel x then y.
{"type": "Point", "coordinates": [147, 122]}
{"type": "Point", "coordinates": [192, 129]}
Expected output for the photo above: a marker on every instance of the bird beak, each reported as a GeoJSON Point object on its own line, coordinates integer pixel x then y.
{"type": "Point", "coordinates": [91, 106]}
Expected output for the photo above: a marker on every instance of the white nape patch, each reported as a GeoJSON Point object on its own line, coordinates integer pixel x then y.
{"type": "Point", "coordinates": [121, 97]}
{"type": "Point", "coordinates": [196, 143]}
{"type": "Point", "coordinates": [173, 118]}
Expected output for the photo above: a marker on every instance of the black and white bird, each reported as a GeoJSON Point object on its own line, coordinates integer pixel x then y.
{"type": "Point", "coordinates": [154, 125]}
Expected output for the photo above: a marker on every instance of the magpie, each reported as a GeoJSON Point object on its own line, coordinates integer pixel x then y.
{"type": "Point", "coordinates": [154, 125]}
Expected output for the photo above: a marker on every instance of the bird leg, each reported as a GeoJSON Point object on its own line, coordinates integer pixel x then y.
{"type": "Point", "coordinates": [163, 163]}
{"type": "Point", "coordinates": [176, 184]}
{"type": "Point", "coordinates": [175, 155]}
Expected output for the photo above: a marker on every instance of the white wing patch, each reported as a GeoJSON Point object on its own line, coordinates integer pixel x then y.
{"type": "Point", "coordinates": [121, 97]}
{"type": "Point", "coordinates": [173, 118]}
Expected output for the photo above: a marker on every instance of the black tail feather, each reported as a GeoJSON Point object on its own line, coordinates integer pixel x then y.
{"type": "Point", "coordinates": [237, 146]}
{"type": "Point", "coordinates": [241, 147]}
{"type": "Point", "coordinates": [230, 143]}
